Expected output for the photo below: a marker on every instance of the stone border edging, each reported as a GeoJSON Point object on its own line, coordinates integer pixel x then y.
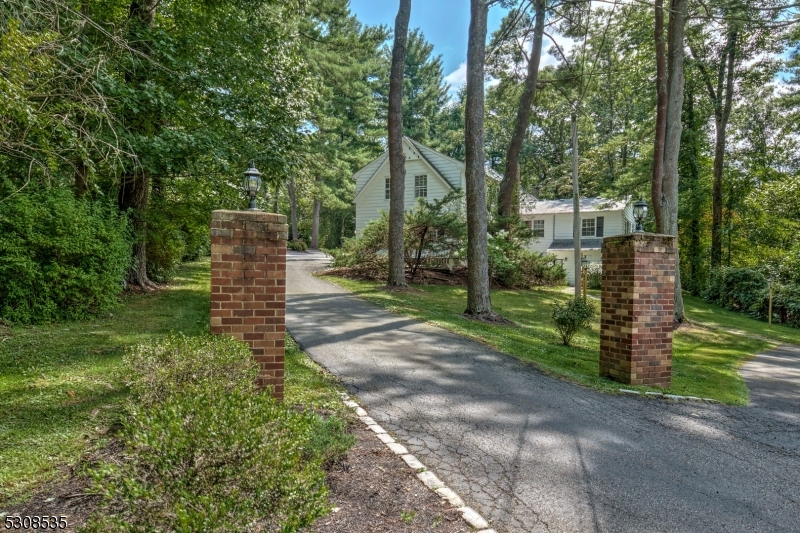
{"type": "Point", "coordinates": [674, 397]}
{"type": "Point", "coordinates": [427, 477]}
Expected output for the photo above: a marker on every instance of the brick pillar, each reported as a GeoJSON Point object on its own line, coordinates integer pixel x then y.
{"type": "Point", "coordinates": [248, 287]}
{"type": "Point", "coordinates": [636, 309]}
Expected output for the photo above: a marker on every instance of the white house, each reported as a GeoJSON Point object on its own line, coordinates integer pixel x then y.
{"type": "Point", "coordinates": [429, 174]}
{"type": "Point", "coordinates": [551, 222]}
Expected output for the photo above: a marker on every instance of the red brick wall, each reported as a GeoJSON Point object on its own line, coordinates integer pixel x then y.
{"type": "Point", "coordinates": [248, 286]}
{"type": "Point", "coordinates": [636, 309]}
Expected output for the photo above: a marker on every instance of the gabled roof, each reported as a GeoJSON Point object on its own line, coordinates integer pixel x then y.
{"type": "Point", "coordinates": [428, 155]}
{"type": "Point", "coordinates": [529, 205]}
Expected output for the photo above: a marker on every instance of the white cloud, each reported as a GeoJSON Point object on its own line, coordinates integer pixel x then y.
{"type": "Point", "coordinates": [458, 77]}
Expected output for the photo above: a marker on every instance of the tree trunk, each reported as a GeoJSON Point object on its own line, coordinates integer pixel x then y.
{"type": "Point", "coordinates": [722, 113]}
{"type": "Point", "coordinates": [576, 205]}
{"type": "Point", "coordinates": [508, 198]}
{"type": "Point", "coordinates": [81, 178]}
{"type": "Point", "coordinates": [315, 220]}
{"type": "Point", "coordinates": [661, 118]}
{"type": "Point", "coordinates": [672, 145]}
{"type": "Point", "coordinates": [397, 157]}
{"type": "Point", "coordinates": [134, 191]}
{"type": "Point", "coordinates": [293, 208]}
{"type": "Point", "coordinates": [134, 195]}
{"type": "Point", "coordinates": [479, 304]}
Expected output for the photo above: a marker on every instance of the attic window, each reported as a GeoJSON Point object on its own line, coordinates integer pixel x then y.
{"type": "Point", "coordinates": [387, 189]}
{"type": "Point", "coordinates": [421, 186]}
{"type": "Point", "coordinates": [587, 227]}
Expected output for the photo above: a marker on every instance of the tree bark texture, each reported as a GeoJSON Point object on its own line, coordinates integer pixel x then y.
{"type": "Point", "coordinates": [672, 145]}
{"type": "Point", "coordinates": [293, 207]}
{"type": "Point", "coordinates": [722, 112]}
{"type": "Point", "coordinates": [508, 198]}
{"type": "Point", "coordinates": [576, 205]}
{"type": "Point", "coordinates": [661, 118]}
{"type": "Point", "coordinates": [315, 220]}
{"type": "Point", "coordinates": [397, 157]}
{"type": "Point", "coordinates": [479, 304]}
{"type": "Point", "coordinates": [134, 191]}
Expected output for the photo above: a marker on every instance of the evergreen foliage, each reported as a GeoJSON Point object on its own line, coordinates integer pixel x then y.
{"type": "Point", "coordinates": [61, 258]}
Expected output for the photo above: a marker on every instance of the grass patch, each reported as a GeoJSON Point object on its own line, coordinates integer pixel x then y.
{"type": "Point", "coordinates": [705, 360]}
{"type": "Point", "coordinates": [59, 385]}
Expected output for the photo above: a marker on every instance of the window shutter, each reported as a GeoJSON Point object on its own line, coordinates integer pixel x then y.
{"type": "Point", "coordinates": [599, 227]}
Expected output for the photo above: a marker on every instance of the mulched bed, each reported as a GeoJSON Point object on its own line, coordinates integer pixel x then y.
{"type": "Point", "coordinates": [373, 490]}
{"type": "Point", "coordinates": [456, 277]}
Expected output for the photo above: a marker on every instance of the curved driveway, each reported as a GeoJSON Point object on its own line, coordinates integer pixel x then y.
{"type": "Point", "coordinates": [533, 453]}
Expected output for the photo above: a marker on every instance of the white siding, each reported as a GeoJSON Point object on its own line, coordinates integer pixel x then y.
{"type": "Point", "coordinates": [373, 199]}
{"type": "Point", "coordinates": [363, 175]}
{"type": "Point", "coordinates": [559, 226]}
{"type": "Point", "coordinates": [451, 170]}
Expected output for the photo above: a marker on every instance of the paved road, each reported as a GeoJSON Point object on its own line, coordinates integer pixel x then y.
{"type": "Point", "coordinates": [773, 378]}
{"type": "Point", "coordinates": [533, 453]}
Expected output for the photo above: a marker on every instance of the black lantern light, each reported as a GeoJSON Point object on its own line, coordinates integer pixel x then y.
{"type": "Point", "coordinates": [639, 212]}
{"type": "Point", "coordinates": [585, 261]}
{"type": "Point", "coordinates": [251, 185]}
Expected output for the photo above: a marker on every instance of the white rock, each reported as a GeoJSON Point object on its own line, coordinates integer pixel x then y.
{"type": "Point", "coordinates": [674, 397]}
{"type": "Point", "coordinates": [628, 391]}
{"type": "Point", "coordinates": [385, 438]}
{"type": "Point", "coordinates": [397, 448]}
{"type": "Point", "coordinates": [367, 420]}
{"type": "Point", "coordinates": [413, 462]}
{"type": "Point", "coordinates": [694, 399]}
{"type": "Point", "coordinates": [654, 394]}
{"type": "Point", "coordinates": [448, 494]}
{"type": "Point", "coordinates": [351, 404]}
{"type": "Point", "coordinates": [473, 518]}
{"type": "Point", "coordinates": [430, 480]}
{"type": "Point", "coordinates": [376, 428]}
{"type": "Point", "coordinates": [487, 531]}
{"type": "Point", "coordinates": [360, 411]}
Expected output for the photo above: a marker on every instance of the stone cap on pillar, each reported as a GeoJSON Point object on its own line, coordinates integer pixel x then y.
{"type": "Point", "coordinates": [645, 242]}
{"type": "Point", "coordinates": [260, 216]}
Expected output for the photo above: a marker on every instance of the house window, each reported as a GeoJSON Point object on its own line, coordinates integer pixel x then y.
{"type": "Point", "coordinates": [587, 227]}
{"type": "Point", "coordinates": [420, 186]}
{"type": "Point", "coordinates": [538, 228]}
{"type": "Point", "coordinates": [387, 189]}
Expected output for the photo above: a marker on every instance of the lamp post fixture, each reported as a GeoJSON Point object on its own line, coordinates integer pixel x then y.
{"type": "Point", "coordinates": [639, 212]}
{"type": "Point", "coordinates": [251, 184]}
{"type": "Point", "coordinates": [584, 263]}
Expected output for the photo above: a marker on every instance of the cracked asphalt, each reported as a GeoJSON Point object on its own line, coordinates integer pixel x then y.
{"type": "Point", "coordinates": [533, 453]}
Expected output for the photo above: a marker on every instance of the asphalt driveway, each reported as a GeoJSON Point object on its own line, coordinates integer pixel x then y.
{"type": "Point", "coordinates": [533, 453]}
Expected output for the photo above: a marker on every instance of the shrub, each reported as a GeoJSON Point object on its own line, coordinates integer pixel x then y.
{"type": "Point", "coordinates": [297, 245]}
{"type": "Point", "coordinates": [512, 265]}
{"type": "Point", "coordinates": [61, 258]}
{"type": "Point", "coordinates": [212, 461]}
{"type": "Point", "coordinates": [204, 451]}
{"type": "Point", "coordinates": [368, 250]}
{"type": "Point", "coordinates": [162, 369]}
{"type": "Point", "coordinates": [570, 317]}
{"type": "Point", "coordinates": [166, 246]}
{"type": "Point", "coordinates": [594, 275]}
{"type": "Point", "coordinates": [746, 290]}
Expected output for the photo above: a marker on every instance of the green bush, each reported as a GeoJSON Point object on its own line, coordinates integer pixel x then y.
{"type": "Point", "coordinates": [203, 451]}
{"type": "Point", "coordinates": [513, 266]}
{"type": "Point", "coordinates": [61, 258]}
{"type": "Point", "coordinates": [212, 461]}
{"type": "Point", "coordinates": [297, 245]}
{"type": "Point", "coordinates": [594, 275]}
{"type": "Point", "coordinates": [166, 246]}
{"type": "Point", "coordinates": [568, 318]}
{"type": "Point", "coordinates": [746, 290]}
{"type": "Point", "coordinates": [160, 370]}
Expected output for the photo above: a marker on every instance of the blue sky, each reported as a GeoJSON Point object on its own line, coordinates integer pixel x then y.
{"type": "Point", "coordinates": [444, 22]}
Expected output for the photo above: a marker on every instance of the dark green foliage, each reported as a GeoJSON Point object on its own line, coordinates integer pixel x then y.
{"type": "Point", "coordinates": [746, 290]}
{"type": "Point", "coordinates": [434, 229]}
{"type": "Point", "coordinates": [204, 451]}
{"type": "Point", "coordinates": [297, 246]}
{"type": "Point", "coordinates": [572, 316]}
{"type": "Point", "coordinates": [368, 249]}
{"type": "Point", "coordinates": [512, 265]}
{"type": "Point", "coordinates": [60, 258]}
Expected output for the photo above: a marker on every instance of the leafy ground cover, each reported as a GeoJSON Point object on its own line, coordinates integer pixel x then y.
{"type": "Point", "coordinates": [706, 355]}
{"type": "Point", "coordinates": [59, 385]}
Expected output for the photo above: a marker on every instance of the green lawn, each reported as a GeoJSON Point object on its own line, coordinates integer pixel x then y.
{"type": "Point", "coordinates": [60, 386]}
{"type": "Point", "coordinates": [705, 360]}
